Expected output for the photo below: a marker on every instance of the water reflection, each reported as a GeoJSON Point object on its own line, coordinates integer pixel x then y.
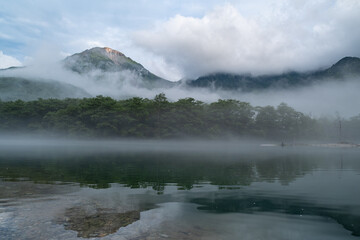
{"type": "Point", "coordinates": [157, 170]}
{"type": "Point", "coordinates": [119, 195]}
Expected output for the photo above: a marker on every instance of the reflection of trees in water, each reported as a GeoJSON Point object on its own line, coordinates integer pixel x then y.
{"type": "Point", "coordinates": [157, 170]}
{"type": "Point", "coordinates": [285, 169]}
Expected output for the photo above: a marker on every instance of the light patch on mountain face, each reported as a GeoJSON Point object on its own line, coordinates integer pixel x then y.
{"type": "Point", "coordinates": [112, 52]}
{"type": "Point", "coordinates": [8, 61]}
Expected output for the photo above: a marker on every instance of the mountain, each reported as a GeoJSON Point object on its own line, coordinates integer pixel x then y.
{"type": "Point", "coordinates": [345, 68]}
{"type": "Point", "coordinates": [111, 67]}
{"type": "Point", "coordinates": [108, 60]}
{"type": "Point", "coordinates": [13, 88]}
{"type": "Point", "coordinates": [106, 69]}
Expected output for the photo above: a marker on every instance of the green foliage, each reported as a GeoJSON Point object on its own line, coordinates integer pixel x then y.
{"type": "Point", "coordinates": [157, 118]}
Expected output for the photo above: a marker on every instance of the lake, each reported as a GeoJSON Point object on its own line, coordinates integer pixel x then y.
{"type": "Point", "coordinates": [62, 189]}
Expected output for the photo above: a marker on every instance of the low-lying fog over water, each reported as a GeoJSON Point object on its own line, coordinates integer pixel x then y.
{"type": "Point", "coordinates": [177, 190]}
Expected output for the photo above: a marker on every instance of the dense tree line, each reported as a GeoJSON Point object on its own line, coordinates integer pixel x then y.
{"type": "Point", "coordinates": [160, 118]}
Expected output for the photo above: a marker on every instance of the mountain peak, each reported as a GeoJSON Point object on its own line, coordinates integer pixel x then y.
{"type": "Point", "coordinates": [108, 60]}
{"type": "Point", "coordinates": [345, 66]}
{"type": "Point", "coordinates": [348, 61]}
{"type": "Point", "coordinates": [103, 58]}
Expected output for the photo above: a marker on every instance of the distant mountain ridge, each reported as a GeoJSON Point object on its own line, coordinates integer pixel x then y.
{"type": "Point", "coordinates": [346, 67]}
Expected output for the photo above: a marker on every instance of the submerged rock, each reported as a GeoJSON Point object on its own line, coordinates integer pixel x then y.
{"type": "Point", "coordinates": [99, 224]}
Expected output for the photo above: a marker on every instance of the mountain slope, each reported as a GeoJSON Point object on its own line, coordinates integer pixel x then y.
{"type": "Point", "coordinates": [346, 67]}
{"type": "Point", "coordinates": [13, 88]}
{"type": "Point", "coordinates": [108, 60]}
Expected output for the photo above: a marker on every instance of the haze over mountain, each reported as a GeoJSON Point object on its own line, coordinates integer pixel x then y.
{"type": "Point", "coordinates": [107, 72]}
{"type": "Point", "coordinates": [347, 67]}
{"type": "Point", "coordinates": [107, 60]}
{"type": "Point", "coordinates": [14, 88]}
{"type": "Point", "coordinates": [98, 65]}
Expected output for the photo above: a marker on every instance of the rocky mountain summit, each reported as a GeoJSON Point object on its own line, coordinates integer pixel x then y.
{"type": "Point", "coordinates": [108, 60]}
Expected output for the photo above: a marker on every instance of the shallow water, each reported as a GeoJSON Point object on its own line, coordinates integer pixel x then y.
{"type": "Point", "coordinates": [177, 190]}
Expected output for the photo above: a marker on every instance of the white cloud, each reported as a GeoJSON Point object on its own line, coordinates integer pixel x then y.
{"type": "Point", "coordinates": [8, 61]}
{"type": "Point", "coordinates": [259, 36]}
{"type": "Point", "coordinates": [299, 35]}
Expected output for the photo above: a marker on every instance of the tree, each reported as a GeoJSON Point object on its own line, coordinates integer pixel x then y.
{"type": "Point", "coordinates": [267, 121]}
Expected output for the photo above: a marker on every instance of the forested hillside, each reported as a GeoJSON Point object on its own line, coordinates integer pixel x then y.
{"type": "Point", "coordinates": [160, 118]}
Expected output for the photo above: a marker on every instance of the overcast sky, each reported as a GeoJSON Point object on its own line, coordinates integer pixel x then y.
{"type": "Point", "coordinates": [186, 39]}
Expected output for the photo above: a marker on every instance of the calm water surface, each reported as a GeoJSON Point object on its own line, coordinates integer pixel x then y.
{"type": "Point", "coordinates": [177, 190]}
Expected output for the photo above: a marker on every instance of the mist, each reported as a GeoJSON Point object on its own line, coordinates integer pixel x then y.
{"type": "Point", "coordinates": [37, 142]}
{"type": "Point", "coordinates": [37, 145]}
{"type": "Point", "coordinates": [327, 98]}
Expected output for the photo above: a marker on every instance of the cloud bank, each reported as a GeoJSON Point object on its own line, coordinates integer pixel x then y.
{"type": "Point", "coordinates": [325, 98]}
{"type": "Point", "coordinates": [8, 61]}
{"type": "Point", "coordinates": [290, 35]}
{"type": "Point", "coordinates": [188, 38]}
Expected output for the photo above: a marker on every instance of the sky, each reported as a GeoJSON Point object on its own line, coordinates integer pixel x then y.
{"type": "Point", "coordinates": [185, 39]}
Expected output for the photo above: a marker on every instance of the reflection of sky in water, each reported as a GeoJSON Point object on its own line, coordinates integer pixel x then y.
{"type": "Point", "coordinates": [266, 194]}
{"type": "Point", "coordinates": [175, 218]}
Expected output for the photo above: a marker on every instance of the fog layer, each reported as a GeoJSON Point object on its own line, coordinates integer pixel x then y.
{"type": "Point", "coordinates": [327, 98]}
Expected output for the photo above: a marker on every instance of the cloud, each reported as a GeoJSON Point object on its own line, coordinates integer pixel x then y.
{"type": "Point", "coordinates": [326, 98]}
{"type": "Point", "coordinates": [291, 35]}
{"type": "Point", "coordinates": [191, 37]}
{"type": "Point", "coordinates": [8, 61]}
